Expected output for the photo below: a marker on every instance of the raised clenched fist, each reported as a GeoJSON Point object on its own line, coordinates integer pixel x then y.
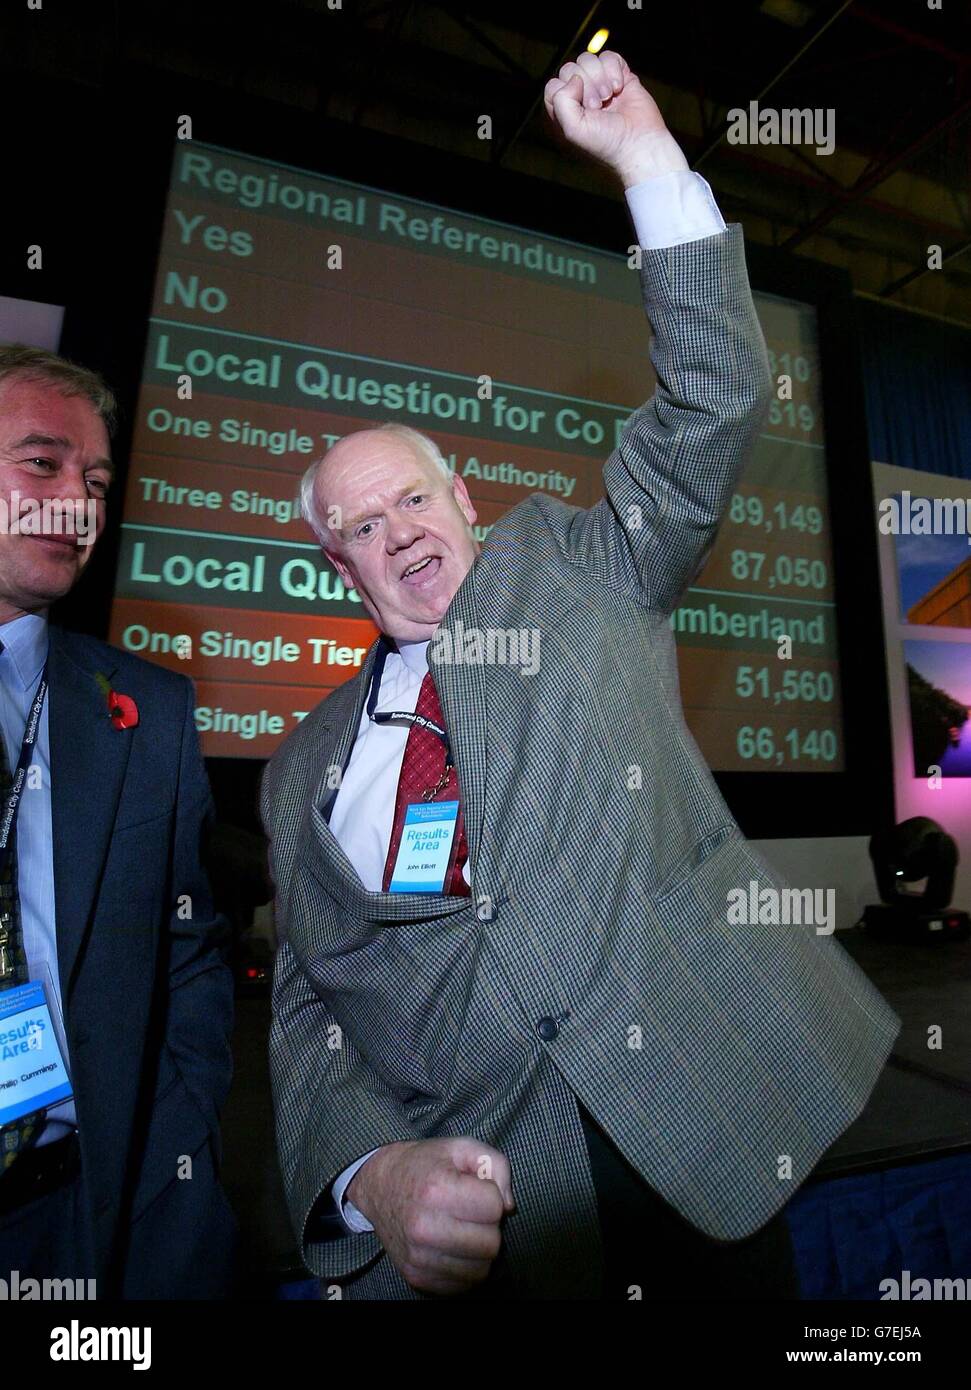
{"type": "Point", "coordinates": [601, 107]}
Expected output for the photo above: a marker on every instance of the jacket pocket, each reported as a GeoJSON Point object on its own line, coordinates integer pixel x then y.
{"type": "Point", "coordinates": [699, 855]}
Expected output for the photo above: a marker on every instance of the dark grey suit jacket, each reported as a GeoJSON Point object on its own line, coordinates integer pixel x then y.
{"type": "Point", "coordinates": [146, 993]}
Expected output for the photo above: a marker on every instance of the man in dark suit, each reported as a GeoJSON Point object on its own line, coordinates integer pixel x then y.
{"type": "Point", "coordinates": [110, 1174]}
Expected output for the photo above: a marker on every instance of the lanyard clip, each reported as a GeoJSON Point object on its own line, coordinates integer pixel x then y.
{"type": "Point", "coordinates": [430, 793]}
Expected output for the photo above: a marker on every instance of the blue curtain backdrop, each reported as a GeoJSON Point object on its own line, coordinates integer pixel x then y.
{"type": "Point", "coordinates": [917, 376]}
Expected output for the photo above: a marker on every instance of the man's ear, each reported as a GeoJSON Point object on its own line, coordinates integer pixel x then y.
{"type": "Point", "coordinates": [463, 500]}
{"type": "Point", "coordinates": [341, 568]}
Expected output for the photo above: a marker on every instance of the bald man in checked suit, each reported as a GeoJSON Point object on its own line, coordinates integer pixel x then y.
{"type": "Point", "coordinates": [460, 1111]}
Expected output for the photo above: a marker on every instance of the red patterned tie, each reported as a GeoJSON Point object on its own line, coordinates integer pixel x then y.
{"type": "Point", "coordinates": [422, 767]}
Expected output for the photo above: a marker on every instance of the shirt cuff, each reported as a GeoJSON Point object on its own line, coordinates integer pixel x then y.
{"type": "Point", "coordinates": [672, 209]}
{"type": "Point", "coordinates": [355, 1221]}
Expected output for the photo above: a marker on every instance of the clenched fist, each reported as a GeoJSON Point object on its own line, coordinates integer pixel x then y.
{"type": "Point", "coordinates": [601, 107]}
{"type": "Point", "coordinates": [436, 1206]}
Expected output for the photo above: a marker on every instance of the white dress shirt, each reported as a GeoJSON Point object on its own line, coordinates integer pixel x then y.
{"type": "Point", "coordinates": [667, 210]}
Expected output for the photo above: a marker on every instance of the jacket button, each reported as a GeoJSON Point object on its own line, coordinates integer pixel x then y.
{"type": "Point", "coordinates": [547, 1028]}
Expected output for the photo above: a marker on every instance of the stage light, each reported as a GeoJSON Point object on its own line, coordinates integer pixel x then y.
{"type": "Point", "coordinates": [914, 850]}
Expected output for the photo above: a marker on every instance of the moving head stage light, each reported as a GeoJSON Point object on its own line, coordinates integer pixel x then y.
{"type": "Point", "coordinates": [916, 849]}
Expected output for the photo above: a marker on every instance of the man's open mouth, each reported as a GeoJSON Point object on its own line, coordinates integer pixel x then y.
{"type": "Point", "coordinates": [421, 572]}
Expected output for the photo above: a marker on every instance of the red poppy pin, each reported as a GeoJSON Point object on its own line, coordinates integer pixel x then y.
{"type": "Point", "coordinates": [122, 709]}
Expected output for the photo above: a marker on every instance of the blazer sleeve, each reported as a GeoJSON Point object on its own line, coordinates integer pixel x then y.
{"type": "Point", "coordinates": [330, 1106]}
{"type": "Point", "coordinates": [671, 477]}
{"type": "Point", "coordinates": [200, 1001]}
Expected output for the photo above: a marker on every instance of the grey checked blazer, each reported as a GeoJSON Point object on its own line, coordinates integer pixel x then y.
{"type": "Point", "coordinates": [595, 906]}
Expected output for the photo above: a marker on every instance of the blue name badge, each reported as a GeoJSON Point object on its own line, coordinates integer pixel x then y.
{"type": "Point", "coordinates": [32, 1071]}
{"type": "Point", "coordinates": [425, 852]}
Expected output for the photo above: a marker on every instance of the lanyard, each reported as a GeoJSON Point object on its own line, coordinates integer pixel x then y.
{"type": "Point", "coordinates": [12, 803]}
{"type": "Point", "coordinates": [386, 716]}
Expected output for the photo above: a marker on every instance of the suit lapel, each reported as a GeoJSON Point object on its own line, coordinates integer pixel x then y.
{"type": "Point", "coordinates": [461, 690]}
{"type": "Point", "coordinates": [336, 735]}
{"type": "Point", "coordinates": [88, 761]}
